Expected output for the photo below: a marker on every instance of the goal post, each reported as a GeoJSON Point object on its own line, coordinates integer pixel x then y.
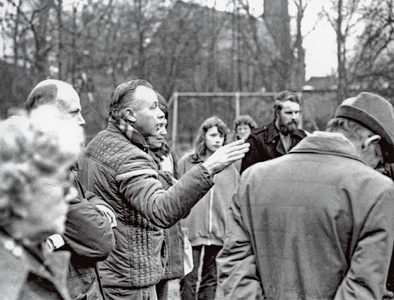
{"type": "Point", "coordinates": [236, 96]}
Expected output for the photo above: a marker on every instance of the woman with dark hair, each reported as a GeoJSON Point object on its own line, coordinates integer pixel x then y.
{"type": "Point", "coordinates": [206, 220]}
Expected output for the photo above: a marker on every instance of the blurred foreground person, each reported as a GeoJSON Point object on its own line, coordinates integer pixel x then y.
{"type": "Point", "coordinates": [88, 236]}
{"type": "Point", "coordinates": [317, 223]}
{"type": "Point", "coordinates": [207, 219]}
{"type": "Point", "coordinates": [117, 166]}
{"type": "Point", "coordinates": [35, 154]}
{"type": "Point", "coordinates": [279, 136]}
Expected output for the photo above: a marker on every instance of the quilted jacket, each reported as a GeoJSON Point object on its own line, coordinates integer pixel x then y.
{"type": "Point", "coordinates": [117, 167]}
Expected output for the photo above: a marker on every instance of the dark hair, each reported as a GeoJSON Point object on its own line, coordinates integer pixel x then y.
{"type": "Point", "coordinates": [200, 147]}
{"type": "Point", "coordinates": [44, 94]}
{"type": "Point", "coordinates": [162, 105]}
{"type": "Point", "coordinates": [283, 97]}
{"type": "Point", "coordinates": [245, 119]}
{"type": "Point", "coordinates": [123, 95]}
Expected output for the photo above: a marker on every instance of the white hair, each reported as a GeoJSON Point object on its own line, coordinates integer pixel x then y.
{"type": "Point", "coordinates": [31, 146]}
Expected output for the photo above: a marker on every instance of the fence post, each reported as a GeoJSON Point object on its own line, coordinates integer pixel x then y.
{"type": "Point", "coordinates": [174, 121]}
{"type": "Point", "coordinates": [300, 125]}
{"type": "Point", "coordinates": [237, 105]}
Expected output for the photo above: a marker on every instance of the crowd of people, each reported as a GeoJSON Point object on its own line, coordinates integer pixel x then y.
{"type": "Point", "coordinates": [271, 212]}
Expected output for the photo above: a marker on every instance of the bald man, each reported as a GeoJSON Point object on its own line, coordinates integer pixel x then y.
{"type": "Point", "coordinates": [89, 236]}
{"type": "Point", "coordinates": [59, 93]}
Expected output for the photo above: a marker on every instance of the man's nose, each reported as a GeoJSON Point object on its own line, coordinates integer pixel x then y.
{"type": "Point", "coordinates": [160, 114]}
{"type": "Point", "coordinates": [81, 120]}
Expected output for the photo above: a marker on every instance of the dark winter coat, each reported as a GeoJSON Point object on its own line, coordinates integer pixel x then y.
{"type": "Point", "coordinates": [26, 274]}
{"type": "Point", "coordinates": [90, 239]}
{"type": "Point", "coordinates": [266, 144]}
{"type": "Point", "coordinates": [173, 236]}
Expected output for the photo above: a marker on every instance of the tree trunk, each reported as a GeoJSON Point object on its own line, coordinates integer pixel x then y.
{"type": "Point", "coordinates": [299, 74]}
{"type": "Point", "coordinates": [276, 16]}
{"type": "Point", "coordinates": [341, 56]}
{"type": "Point", "coordinates": [59, 56]}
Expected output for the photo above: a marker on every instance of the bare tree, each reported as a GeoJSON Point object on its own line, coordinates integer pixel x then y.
{"type": "Point", "coordinates": [298, 49]}
{"type": "Point", "coordinates": [59, 48]}
{"type": "Point", "coordinates": [372, 64]}
{"type": "Point", "coordinates": [277, 19]}
{"type": "Point", "coordinates": [343, 15]}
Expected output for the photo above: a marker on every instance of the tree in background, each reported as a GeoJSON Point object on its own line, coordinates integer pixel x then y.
{"type": "Point", "coordinates": [285, 55]}
{"type": "Point", "coordinates": [252, 45]}
{"type": "Point", "coordinates": [343, 16]}
{"type": "Point", "coordinates": [276, 17]}
{"type": "Point", "coordinates": [372, 65]}
{"type": "Point", "coordinates": [176, 45]}
{"type": "Point", "coordinates": [298, 49]}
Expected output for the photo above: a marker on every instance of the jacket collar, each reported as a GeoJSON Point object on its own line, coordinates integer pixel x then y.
{"type": "Point", "coordinates": [273, 132]}
{"type": "Point", "coordinates": [128, 131]}
{"type": "Point", "coordinates": [19, 261]}
{"type": "Point", "coordinates": [327, 143]}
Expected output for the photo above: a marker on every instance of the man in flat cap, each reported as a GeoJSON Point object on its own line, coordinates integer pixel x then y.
{"type": "Point", "coordinates": [316, 223]}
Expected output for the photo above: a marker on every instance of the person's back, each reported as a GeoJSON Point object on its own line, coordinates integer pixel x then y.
{"type": "Point", "coordinates": [306, 241]}
{"type": "Point", "coordinates": [317, 223]}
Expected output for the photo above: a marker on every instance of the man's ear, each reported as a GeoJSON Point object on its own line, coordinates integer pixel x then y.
{"type": "Point", "coordinates": [129, 115]}
{"type": "Point", "coordinates": [374, 139]}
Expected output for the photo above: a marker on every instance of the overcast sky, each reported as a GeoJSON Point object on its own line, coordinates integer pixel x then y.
{"type": "Point", "coordinates": [320, 44]}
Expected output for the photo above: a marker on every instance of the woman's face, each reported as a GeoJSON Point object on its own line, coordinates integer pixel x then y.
{"type": "Point", "coordinates": [243, 131]}
{"type": "Point", "coordinates": [213, 139]}
{"type": "Point", "coordinates": [157, 140]}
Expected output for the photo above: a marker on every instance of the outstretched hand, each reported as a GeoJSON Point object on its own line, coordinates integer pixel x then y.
{"type": "Point", "coordinates": [388, 295]}
{"type": "Point", "coordinates": [225, 156]}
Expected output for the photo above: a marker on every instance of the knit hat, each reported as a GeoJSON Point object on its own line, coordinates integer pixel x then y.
{"type": "Point", "coordinates": [374, 113]}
